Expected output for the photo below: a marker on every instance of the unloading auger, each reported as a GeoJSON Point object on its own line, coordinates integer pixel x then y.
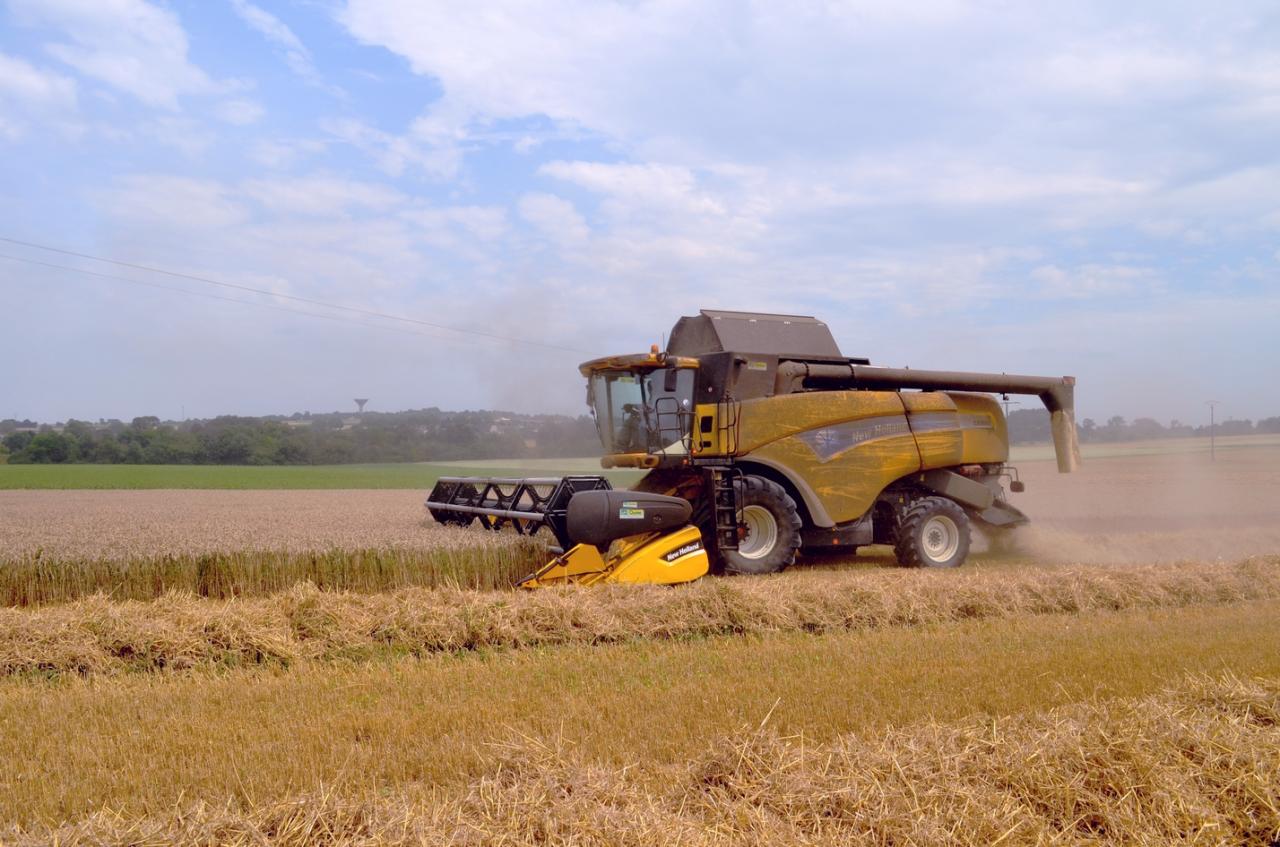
{"type": "Point", "coordinates": [761, 438]}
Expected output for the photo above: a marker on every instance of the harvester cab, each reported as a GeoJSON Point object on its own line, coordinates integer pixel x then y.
{"type": "Point", "coordinates": [774, 441]}
{"type": "Point", "coordinates": [643, 407]}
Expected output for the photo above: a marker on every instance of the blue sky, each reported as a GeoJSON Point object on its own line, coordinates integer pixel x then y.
{"type": "Point", "coordinates": [1088, 189]}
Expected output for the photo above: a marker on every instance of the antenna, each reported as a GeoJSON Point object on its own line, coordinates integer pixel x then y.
{"type": "Point", "coordinates": [360, 401]}
{"type": "Point", "coordinates": [1213, 406]}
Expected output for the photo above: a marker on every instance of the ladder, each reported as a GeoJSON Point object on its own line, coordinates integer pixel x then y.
{"type": "Point", "coordinates": [724, 499]}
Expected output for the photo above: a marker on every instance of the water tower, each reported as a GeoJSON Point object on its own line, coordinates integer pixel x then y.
{"type": "Point", "coordinates": [360, 401]}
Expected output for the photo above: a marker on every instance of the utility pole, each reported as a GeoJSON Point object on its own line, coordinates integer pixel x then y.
{"type": "Point", "coordinates": [1213, 405]}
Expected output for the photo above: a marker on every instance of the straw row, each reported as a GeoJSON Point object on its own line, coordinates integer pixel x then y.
{"type": "Point", "coordinates": [1196, 765]}
{"type": "Point", "coordinates": [181, 631]}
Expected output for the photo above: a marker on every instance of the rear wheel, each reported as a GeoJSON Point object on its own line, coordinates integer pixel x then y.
{"type": "Point", "coordinates": [768, 528]}
{"type": "Point", "coordinates": [933, 532]}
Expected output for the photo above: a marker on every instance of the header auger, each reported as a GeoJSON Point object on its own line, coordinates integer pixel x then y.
{"type": "Point", "coordinates": [762, 439]}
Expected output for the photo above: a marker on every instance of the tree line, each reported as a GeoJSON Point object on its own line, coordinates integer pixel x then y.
{"type": "Point", "coordinates": [415, 436]}
{"type": "Point", "coordinates": [422, 436]}
{"type": "Point", "coordinates": [1030, 426]}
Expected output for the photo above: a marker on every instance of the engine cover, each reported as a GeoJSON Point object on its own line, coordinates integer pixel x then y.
{"type": "Point", "coordinates": [601, 517]}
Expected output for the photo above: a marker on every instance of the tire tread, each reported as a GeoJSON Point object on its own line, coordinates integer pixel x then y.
{"type": "Point", "coordinates": [761, 491]}
{"type": "Point", "coordinates": [907, 547]}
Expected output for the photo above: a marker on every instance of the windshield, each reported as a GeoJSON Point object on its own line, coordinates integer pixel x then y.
{"type": "Point", "coordinates": [643, 412]}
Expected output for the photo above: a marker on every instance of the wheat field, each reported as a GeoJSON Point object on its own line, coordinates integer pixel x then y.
{"type": "Point", "coordinates": [492, 562]}
{"type": "Point", "coordinates": [209, 667]}
{"type": "Point", "coordinates": [1195, 764]}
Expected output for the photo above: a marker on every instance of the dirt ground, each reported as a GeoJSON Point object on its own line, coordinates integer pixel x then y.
{"type": "Point", "coordinates": [1114, 510]}
{"type": "Point", "coordinates": [1154, 508]}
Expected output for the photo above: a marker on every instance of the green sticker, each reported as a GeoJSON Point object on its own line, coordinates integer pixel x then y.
{"type": "Point", "coordinates": [630, 514]}
{"type": "Point", "coordinates": [757, 366]}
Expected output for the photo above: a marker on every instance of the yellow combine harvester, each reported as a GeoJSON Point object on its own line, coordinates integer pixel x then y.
{"type": "Point", "coordinates": [762, 439]}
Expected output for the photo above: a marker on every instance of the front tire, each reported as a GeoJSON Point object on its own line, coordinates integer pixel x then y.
{"type": "Point", "coordinates": [933, 532]}
{"type": "Point", "coordinates": [768, 528]}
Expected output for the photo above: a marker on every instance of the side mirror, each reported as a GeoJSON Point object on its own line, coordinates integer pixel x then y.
{"type": "Point", "coordinates": [1017, 486]}
{"type": "Point", "coordinates": [669, 380]}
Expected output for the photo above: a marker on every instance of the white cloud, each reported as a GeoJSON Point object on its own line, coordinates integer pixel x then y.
{"type": "Point", "coordinates": [188, 136]}
{"type": "Point", "coordinates": [864, 103]}
{"type": "Point", "coordinates": [278, 32]}
{"type": "Point", "coordinates": [130, 45]}
{"type": "Point", "coordinates": [485, 223]}
{"type": "Point", "coordinates": [31, 95]}
{"type": "Point", "coordinates": [240, 112]}
{"type": "Point", "coordinates": [171, 203]}
{"type": "Point", "coordinates": [1095, 281]}
{"type": "Point", "coordinates": [597, 168]}
{"type": "Point", "coordinates": [654, 185]}
{"type": "Point", "coordinates": [321, 196]}
{"type": "Point", "coordinates": [1118, 71]}
{"type": "Point", "coordinates": [393, 153]}
{"type": "Point", "coordinates": [555, 217]}
{"type": "Point", "coordinates": [276, 153]}
{"type": "Point", "coordinates": [21, 80]}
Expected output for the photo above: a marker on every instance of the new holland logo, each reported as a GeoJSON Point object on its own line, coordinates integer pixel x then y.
{"type": "Point", "coordinates": [691, 547]}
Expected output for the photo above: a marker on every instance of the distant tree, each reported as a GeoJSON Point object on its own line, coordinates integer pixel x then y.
{"type": "Point", "coordinates": [172, 447]}
{"type": "Point", "coordinates": [109, 451]}
{"type": "Point", "coordinates": [1029, 426]}
{"type": "Point", "coordinates": [1145, 428]}
{"type": "Point", "coordinates": [1115, 429]}
{"type": "Point", "coordinates": [1268, 425]}
{"type": "Point", "coordinates": [145, 423]}
{"type": "Point", "coordinates": [231, 447]}
{"type": "Point", "coordinates": [16, 442]}
{"type": "Point", "coordinates": [1235, 427]}
{"type": "Point", "coordinates": [50, 447]}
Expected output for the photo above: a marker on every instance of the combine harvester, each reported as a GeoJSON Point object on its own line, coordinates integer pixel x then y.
{"type": "Point", "coordinates": [762, 439]}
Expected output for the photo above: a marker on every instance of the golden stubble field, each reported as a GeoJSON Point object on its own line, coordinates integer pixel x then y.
{"type": "Point", "coordinates": [1115, 679]}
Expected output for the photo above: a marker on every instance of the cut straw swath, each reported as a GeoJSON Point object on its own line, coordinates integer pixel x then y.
{"type": "Point", "coordinates": [99, 635]}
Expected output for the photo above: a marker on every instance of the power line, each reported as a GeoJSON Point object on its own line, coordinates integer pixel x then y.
{"type": "Point", "coordinates": [293, 297]}
{"type": "Point", "coordinates": [208, 296]}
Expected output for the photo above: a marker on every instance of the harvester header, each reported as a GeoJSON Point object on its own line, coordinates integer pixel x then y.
{"type": "Point", "coordinates": [778, 442]}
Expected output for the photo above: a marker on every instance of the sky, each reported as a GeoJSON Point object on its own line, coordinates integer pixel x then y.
{"type": "Point", "coordinates": [495, 192]}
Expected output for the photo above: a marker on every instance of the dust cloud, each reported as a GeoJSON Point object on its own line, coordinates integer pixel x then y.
{"type": "Point", "coordinates": [1156, 508]}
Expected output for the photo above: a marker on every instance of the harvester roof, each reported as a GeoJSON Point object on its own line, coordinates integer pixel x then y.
{"type": "Point", "coordinates": [785, 336]}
